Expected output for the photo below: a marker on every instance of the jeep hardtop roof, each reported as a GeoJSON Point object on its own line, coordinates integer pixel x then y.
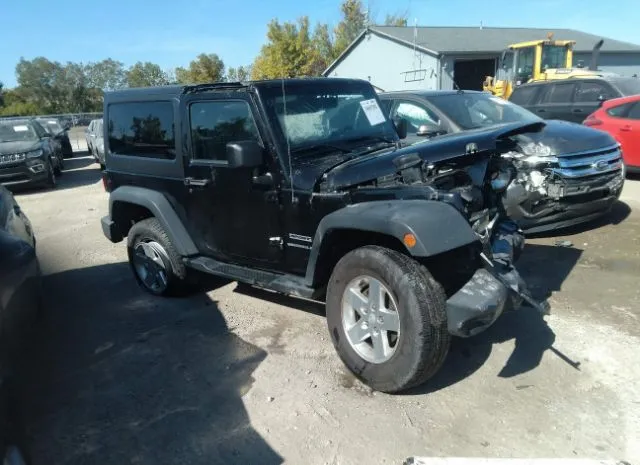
{"type": "Point", "coordinates": [176, 90]}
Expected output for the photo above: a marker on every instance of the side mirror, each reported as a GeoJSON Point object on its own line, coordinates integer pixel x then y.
{"type": "Point", "coordinates": [244, 154]}
{"type": "Point", "coordinates": [66, 127]}
{"type": "Point", "coordinates": [401, 127]}
{"type": "Point", "coordinates": [601, 99]}
{"type": "Point", "coordinates": [427, 130]}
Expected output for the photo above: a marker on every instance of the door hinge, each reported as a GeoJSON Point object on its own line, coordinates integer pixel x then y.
{"type": "Point", "coordinates": [196, 182]}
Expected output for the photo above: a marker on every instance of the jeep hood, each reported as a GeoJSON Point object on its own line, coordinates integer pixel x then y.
{"type": "Point", "coordinates": [18, 146]}
{"type": "Point", "coordinates": [339, 175]}
{"type": "Point", "coordinates": [563, 137]}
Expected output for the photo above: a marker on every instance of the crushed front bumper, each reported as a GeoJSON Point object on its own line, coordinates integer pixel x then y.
{"type": "Point", "coordinates": [477, 305]}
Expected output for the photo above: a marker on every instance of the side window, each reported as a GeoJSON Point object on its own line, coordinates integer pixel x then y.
{"type": "Point", "coordinates": [416, 115]}
{"type": "Point", "coordinates": [634, 112]}
{"type": "Point", "coordinates": [588, 92]}
{"type": "Point", "coordinates": [560, 93]}
{"type": "Point", "coordinates": [38, 129]}
{"type": "Point", "coordinates": [620, 111]}
{"type": "Point", "coordinates": [386, 106]}
{"type": "Point", "coordinates": [141, 129]}
{"type": "Point", "coordinates": [216, 123]}
{"type": "Point", "coordinates": [523, 95]}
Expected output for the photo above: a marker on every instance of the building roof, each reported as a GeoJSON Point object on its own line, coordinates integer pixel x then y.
{"type": "Point", "coordinates": [448, 40]}
{"type": "Point", "coordinates": [495, 39]}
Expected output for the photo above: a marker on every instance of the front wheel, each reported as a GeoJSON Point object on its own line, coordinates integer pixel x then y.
{"type": "Point", "coordinates": [387, 318]}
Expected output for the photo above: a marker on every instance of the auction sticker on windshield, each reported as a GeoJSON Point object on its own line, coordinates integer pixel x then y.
{"type": "Point", "coordinates": [372, 111]}
{"type": "Point", "coordinates": [20, 128]}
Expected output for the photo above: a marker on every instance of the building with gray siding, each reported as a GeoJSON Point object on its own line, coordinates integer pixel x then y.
{"type": "Point", "coordinates": [409, 58]}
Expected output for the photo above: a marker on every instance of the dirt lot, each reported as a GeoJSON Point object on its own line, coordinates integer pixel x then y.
{"type": "Point", "coordinates": [242, 376]}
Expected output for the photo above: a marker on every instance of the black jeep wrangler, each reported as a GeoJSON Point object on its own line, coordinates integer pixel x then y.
{"type": "Point", "coordinates": [300, 186]}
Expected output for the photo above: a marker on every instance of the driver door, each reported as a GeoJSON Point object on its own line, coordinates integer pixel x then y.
{"type": "Point", "coordinates": [233, 214]}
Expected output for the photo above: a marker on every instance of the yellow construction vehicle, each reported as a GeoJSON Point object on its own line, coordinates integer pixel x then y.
{"type": "Point", "coordinates": [538, 60]}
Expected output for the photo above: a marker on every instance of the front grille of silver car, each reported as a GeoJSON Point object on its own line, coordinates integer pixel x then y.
{"type": "Point", "coordinates": [589, 163]}
{"type": "Point", "coordinates": [12, 158]}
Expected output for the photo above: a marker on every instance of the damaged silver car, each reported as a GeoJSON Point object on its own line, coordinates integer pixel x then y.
{"type": "Point", "coordinates": [567, 173]}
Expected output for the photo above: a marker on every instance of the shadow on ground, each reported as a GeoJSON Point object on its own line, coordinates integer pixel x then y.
{"type": "Point", "coordinates": [618, 213]}
{"type": "Point", "coordinates": [117, 376]}
{"type": "Point", "coordinates": [544, 268]}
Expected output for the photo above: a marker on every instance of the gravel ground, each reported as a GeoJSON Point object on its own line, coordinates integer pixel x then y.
{"type": "Point", "coordinates": [237, 375]}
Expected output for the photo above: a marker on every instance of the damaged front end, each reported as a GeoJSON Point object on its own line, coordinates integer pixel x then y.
{"type": "Point", "coordinates": [497, 286]}
{"type": "Point", "coordinates": [555, 189]}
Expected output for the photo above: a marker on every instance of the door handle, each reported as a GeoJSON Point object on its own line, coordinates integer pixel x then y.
{"type": "Point", "coordinates": [576, 110]}
{"type": "Point", "coordinates": [194, 182]}
{"type": "Point", "coordinates": [541, 110]}
{"type": "Point", "coordinates": [626, 128]}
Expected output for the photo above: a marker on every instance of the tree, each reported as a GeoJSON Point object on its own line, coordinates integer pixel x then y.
{"type": "Point", "coordinates": [239, 74]}
{"type": "Point", "coordinates": [106, 74]}
{"type": "Point", "coordinates": [288, 53]}
{"type": "Point", "coordinates": [145, 74]}
{"type": "Point", "coordinates": [205, 68]}
{"type": "Point", "coordinates": [15, 104]}
{"type": "Point", "coordinates": [354, 21]}
{"type": "Point", "coordinates": [42, 82]}
{"type": "Point", "coordinates": [396, 19]}
{"type": "Point", "coordinates": [323, 43]}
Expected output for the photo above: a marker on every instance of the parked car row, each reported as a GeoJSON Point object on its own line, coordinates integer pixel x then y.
{"type": "Point", "coordinates": [29, 153]}
{"type": "Point", "coordinates": [95, 141]}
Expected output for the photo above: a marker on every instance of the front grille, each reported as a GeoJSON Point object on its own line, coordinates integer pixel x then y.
{"type": "Point", "coordinates": [12, 159]}
{"type": "Point", "coordinates": [590, 163]}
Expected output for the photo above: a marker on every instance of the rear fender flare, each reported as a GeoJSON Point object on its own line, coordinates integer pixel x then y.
{"type": "Point", "coordinates": [161, 209]}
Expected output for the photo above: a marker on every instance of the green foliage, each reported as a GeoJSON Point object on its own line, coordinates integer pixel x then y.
{"type": "Point", "coordinates": [354, 21]}
{"type": "Point", "coordinates": [106, 74]}
{"type": "Point", "coordinates": [204, 69]}
{"type": "Point", "coordinates": [396, 20]}
{"type": "Point", "coordinates": [145, 74]}
{"type": "Point", "coordinates": [239, 74]}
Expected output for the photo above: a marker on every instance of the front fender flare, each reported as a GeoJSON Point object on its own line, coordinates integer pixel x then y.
{"type": "Point", "coordinates": [161, 209]}
{"type": "Point", "coordinates": [437, 226]}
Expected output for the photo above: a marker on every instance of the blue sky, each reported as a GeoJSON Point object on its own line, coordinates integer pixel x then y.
{"type": "Point", "coordinates": [171, 33]}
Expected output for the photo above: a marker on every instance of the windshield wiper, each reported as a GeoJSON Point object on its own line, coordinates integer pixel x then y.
{"type": "Point", "coordinates": [388, 140]}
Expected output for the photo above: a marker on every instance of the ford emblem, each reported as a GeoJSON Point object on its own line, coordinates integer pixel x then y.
{"type": "Point", "coordinates": [600, 165]}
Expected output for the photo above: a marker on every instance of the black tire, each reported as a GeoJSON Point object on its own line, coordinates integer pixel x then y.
{"type": "Point", "coordinates": [421, 304]}
{"type": "Point", "coordinates": [57, 170]}
{"type": "Point", "coordinates": [178, 278]}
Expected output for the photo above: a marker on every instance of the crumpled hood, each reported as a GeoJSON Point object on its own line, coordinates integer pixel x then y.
{"type": "Point", "coordinates": [448, 147]}
{"type": "Point", "coordinates": [18, 146]}
{"type": "Point", "coordinates": [563, 137]}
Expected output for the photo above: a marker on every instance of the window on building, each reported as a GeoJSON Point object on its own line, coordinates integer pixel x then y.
{"type": "Point", "coordinates": [141, 129]}
{"type": "Point", "coordinates": [216, 123]}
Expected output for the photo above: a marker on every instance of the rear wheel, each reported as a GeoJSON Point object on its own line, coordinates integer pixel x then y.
{"type": "Point", "coordinates": [387, 320]}
{"type": "Point", "coordinates": [155, 262]}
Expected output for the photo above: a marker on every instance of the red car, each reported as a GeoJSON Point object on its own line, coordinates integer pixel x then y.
{"type": "Point", "coordinates": [620, 117]}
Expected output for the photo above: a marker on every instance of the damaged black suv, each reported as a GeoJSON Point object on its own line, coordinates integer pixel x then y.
{"type": "Point", "coordinates": [302, 187]}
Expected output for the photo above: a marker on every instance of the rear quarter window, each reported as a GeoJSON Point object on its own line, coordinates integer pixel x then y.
{"type": "Point", "coordinates": [524, 95]}
{"type": "Point", "coordinates": [620, 111]}
{"type": "Point", "coordinates": [141, 129]}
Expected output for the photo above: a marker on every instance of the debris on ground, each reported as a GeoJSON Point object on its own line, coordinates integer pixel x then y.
{"type": "Point", "coordinates": [564, 244]}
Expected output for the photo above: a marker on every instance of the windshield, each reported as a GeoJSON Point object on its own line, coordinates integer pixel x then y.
{"type": "Point", "coordinates": [12, 131]}
{"type": "Point", "coordinates": [476, 110]}
{"type": "Point", "coordinates": [319, 114]}
{"type": "Point", "coordinates": [554, 56]}
{"type": "Point", "coordinates": [628, 86]}
{"type": "Point", "coordinates": [51, 126]}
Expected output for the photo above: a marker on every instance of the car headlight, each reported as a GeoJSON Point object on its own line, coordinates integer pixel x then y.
{"type": "Point", "coordinates": [536, 149]}
{"type": "Point", "coordinates": [34, 153]}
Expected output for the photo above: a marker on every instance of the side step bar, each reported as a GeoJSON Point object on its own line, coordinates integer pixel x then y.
{"type": "Point", "coordinates": [278, 282]}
